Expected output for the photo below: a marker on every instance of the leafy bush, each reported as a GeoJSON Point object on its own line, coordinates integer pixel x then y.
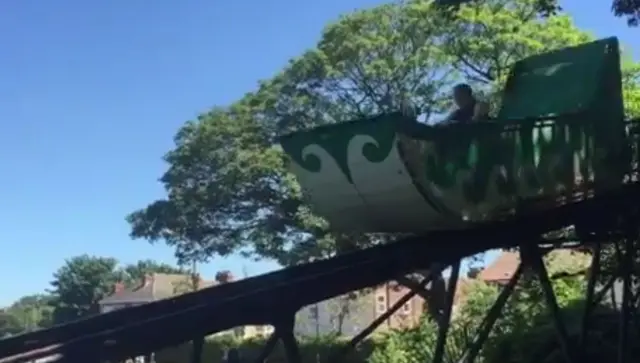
{"type": "Point", "coordinates": [311, 350]}
{"type": "Point", "coordinates": [523, 329]}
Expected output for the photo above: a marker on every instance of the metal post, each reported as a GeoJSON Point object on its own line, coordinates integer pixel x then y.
{"type": "Point", "coordinates": [268, 348]}
{"type": "Point", "coordinates": [445, 319]}
{"type": "Point", "coordinates": [285, 328]}
{"type": "Point", "coordinates": [625, 311]}
{"type": "Point", "coordinates": [594, 270]}
{"type": "Point", "coordinates": [472, 351]}
{"type": "Point", "coordinates": [196, 350]}
{"type": "Point", "coordinates": [531, 256]}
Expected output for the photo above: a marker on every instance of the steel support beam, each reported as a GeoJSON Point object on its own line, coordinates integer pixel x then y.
{"type": "Point", "coordinates": [532, 257]}
{"type": "Point", "coordinates": [471, 353]}
{"type": "Point", "coordinates": [593, 272]}
{"type": "Point", "coordinates": [445, 320]}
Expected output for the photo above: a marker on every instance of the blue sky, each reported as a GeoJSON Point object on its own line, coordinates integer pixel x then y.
{"type": "Point", "coordinates": [92, 92]}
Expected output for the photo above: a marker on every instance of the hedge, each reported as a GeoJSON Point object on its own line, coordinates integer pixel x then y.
{"type": "Point", "coordinates": [311, 350]}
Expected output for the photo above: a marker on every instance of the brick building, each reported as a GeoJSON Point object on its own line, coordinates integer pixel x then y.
{"type": "Point", "coordinates": [348, 317]}
{"type": "Point", "coordinates": [328, 317]}
{"type": "Point", "coordinates": [501, 269]}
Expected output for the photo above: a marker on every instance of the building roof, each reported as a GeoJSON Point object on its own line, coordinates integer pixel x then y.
{"type": "Point", "coordinates": [155, 286]}
{"type": "Point", "coordinates": [502, 268]}
{"type": "Point", "coordinates": [507, 262]}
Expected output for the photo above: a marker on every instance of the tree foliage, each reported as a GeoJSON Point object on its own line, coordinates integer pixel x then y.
{"type": "Point", "coordinates": [527, 311]}
{"type": "Point", "coordinates": [523, 333]}
{"type": "Point", "coordinates": [33, 311]}
{"type": "Point", "coordinates": [629, 9]}
{"type": "Point", "coordinates": [80, 283]}
{"type": "Point", "coordinates": [9, 324]}
{"type": "Point", "coordinates": [227, 187]}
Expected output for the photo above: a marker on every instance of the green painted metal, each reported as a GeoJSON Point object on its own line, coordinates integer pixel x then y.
{"type": "Point", "coordinates": [558, 137]}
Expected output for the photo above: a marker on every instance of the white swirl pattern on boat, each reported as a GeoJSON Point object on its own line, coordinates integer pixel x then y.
{"type": "Point", "coordinates": [391, 198]}
{"type": "Point", "coordinates": [331, 194]}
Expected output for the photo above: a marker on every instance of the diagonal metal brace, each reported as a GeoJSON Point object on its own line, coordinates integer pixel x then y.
{"type": "Point", "coordinates": [415, 288]}
{"type": "Point", "coordinates": [445, 320]}
{"type": "Point", "coordinates": [489, 321]}
{"type": "Point", "coordinates": [284, 331]}
{"type": "Point", "coordinates": [531, 256]}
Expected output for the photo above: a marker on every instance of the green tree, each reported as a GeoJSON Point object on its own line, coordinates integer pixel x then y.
{"type": "Point", "coordinates": [523, 329]}
{"type": "Point", "coordinates": [629, 9]}
{"type": "Point", "coordinates": [33, 311]}
{"type": "Point", "coordinates": [227, 186]}
{"type": "Point", "coordinates": [9, 324]}
{"type": "Point", "coordinates": [527, 301]}
{"type": "Point", "coordinates": [80, 284]}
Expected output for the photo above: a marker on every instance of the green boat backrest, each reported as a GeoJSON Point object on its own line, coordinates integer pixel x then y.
{"type": "Point", "coordinates": [585, 78]}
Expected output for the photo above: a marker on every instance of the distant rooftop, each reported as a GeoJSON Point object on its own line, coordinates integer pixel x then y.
{"type": "Point", "coordinates": [158, 286]}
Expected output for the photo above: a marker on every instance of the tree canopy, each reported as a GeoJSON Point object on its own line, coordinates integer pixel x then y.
{"type": "Point", "coordinates": [629, 9]}
{"type": "Point", "coordinates": [9, 324]}
{"type": "Point", "coordinates": [80, 283]}
{"type": "Point", "coordinates": [32, 311]}
{"type": "Point", "coordinates": [227, 187]}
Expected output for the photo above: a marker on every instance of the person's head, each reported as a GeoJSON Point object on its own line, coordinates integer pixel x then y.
{"type": "Point", "coordinates": [462, 94]}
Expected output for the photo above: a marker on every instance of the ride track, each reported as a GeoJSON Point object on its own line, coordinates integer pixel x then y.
{"type": "Point", "coordinates": [274, 298]}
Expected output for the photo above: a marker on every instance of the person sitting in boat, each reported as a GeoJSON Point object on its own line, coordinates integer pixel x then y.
{"type": "Point", "coordinates": [469, 109]}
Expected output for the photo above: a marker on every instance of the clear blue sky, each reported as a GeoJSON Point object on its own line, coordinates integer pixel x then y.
{"type": "Point", "coordinates": [92, 92]}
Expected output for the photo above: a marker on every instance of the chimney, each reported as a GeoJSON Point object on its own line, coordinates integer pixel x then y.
{"type": "Point", "coordinates": [224, 276]}
{"type": "Point", "coordinates": [118, 287]}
